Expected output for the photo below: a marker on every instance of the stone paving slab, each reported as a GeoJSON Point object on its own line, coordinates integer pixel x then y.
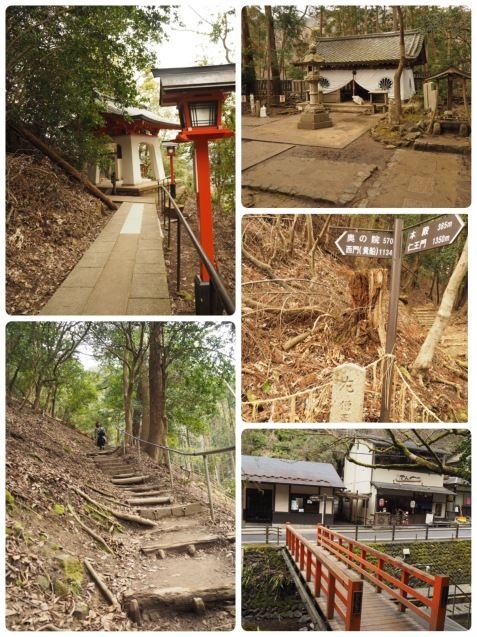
{"type": "Point", "coordinates": [417, 180]}
{"type": "Point", "coordinates": [347, 127]}
{"type": "Point", "coordinates": [255, 152]}
{"type": "Point", "coordinates": [122, 273]}
{"type": "Point", "coordinates": [326, 181]}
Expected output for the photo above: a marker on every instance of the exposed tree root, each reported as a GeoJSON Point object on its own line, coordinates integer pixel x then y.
{"type": "Point", "coordinates": [101, 585]}
{"type": "Point", "coordinates": [94, 535]}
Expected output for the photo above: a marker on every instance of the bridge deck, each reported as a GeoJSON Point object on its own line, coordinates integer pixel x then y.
{"type": "Point", "coordinates": [379, 611]}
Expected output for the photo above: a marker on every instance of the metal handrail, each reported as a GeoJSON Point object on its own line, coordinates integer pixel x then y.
{"type": "Point", "coordinates": [224, 296]}
{"type": "Point", "coordinates": [267, 529]}
{"type": "Point", "coordinates": [204, 455]}
{"type": "Point", "coordinates": [466, 596]}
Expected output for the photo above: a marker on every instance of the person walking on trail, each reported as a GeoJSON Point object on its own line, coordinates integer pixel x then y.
{"type": "Point", "coordinates": [101, 438]}
{"type": "Point", "coordinates": [95, 432]}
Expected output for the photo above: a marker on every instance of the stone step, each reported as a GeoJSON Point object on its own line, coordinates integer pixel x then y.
{"type": "Point", "coordinates": [177, 511]}
{"type": "Point", "coordinates": [183, 546]}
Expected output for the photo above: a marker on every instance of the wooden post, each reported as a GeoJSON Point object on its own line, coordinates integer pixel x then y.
{"type": "Point", "coordinates": [302, 556]}
{"type": "Point", "coordinates": [387, 380]}
{"type": "Point", "coordinates": [309, 556]}
{"type": "Point", "coordinates": [354, 605]}
{"type": "Point", "coordinates": [209, 489]}
{"type": "Point", "coordinates": [379, 577]}
{"type": "Point", "coordinates": [404, 580]}
{"type": "Point", "coordinates": [318, 571]}
{"type": "Point", "coordinates": [363, 557]}
{"type": "Point", "coordinates": [169, 465]}
{"type": "Point", "coordinates": [330, 602]}
{"type": "Point", "coordinates": [439, 602]}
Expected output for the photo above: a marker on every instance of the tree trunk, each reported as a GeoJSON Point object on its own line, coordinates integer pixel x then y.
{"type": "Point", "coordinates": [368, 317]}
{"type": "Point", "coordinates": [157, 392]}
{"type": "Point", "coordinates": [424, 358]}
{"type": "Point", "coordinates": [38, 388]}
{"type": "Point", "coordinates": [272, 49]}
{"type": "Point", "coordinates": [128, 388]}
{"type": "Point", "coordinates": [143, 390]}
{"type": "Point", "coordinates": [310, 239]}
{"type": "Point", "coordinates": [248, 66]}
{"type": "Point", "coordinates": [49, 152]}
{"type": "Point", "coordinates": [400, 68]}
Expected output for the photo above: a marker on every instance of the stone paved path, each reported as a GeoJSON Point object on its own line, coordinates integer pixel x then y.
{"type": "Point", "coordinates": [346, 128]}
{"type": "Point", "coordinates": [122, 273]}
{"type": "Point", "coordinates": [418, 180]}
{"type": "Point", "coordinates": [333, 182]}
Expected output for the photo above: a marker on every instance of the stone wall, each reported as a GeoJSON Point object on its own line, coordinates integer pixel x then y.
{"type": "Point", "coordinates": [270, 600]}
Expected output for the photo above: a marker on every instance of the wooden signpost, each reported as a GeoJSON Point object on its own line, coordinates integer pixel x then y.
{"type": "Point", "coordinates": [434, 233]}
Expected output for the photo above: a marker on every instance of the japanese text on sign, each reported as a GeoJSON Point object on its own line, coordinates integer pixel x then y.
{"type": "Point", "coordinates": [365, 243]}
{"type": "Point", "coordinates": [436, 233]}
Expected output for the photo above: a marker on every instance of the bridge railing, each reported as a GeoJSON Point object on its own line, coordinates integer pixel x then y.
{"type": "Point", "coordinates": [345, 599]}
{"type": "Point", "coordinates": [382, 571]}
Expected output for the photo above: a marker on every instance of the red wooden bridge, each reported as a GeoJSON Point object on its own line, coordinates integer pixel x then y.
{"type": "Point", "coordinates": [359, 588]}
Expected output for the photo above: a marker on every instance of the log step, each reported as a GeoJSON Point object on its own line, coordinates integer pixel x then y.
{"type": "Point", "coordinates": [134, 480]}
{"type": "Point", "coordinates": [154, 500]}
{"type": "Point", "coordinates": [182, 546]}
{"type": "Point", "coordinates": [178, 511]}
{"type": "Point", "coordinates": [117, 476]}
{"type": "Point", "coordinates": [144, 487]}
{"type": "Point", "coordinates": [177, 598]}
{"type": "Point", "coordinates": [146, 494]}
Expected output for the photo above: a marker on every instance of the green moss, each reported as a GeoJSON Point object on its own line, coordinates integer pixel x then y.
{"type": "Point", "coordinates": [36, 457]}
{"type": "Point", "coordinates": [74, 571]}
{"type": "Point", "coordinates": [58, 509]}
{"type": "Point", "coordinates": [67, 449]}
{"type": "Point", "coordinates": [61, 588]}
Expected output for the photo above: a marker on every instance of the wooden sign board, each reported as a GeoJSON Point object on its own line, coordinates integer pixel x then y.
{"type": "Point", "coordinates": [433, 234]}
{"type": "Point", "coordinates": [366, 243]}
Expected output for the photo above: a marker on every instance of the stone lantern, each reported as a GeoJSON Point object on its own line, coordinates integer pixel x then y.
{"type": "Point", "coordinates": [314, 115]}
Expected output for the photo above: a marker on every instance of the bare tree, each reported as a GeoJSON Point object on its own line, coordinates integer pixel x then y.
{"type": "Point", "coordinates": [248, 64]}
{"type": "Point", "coordinates": [424, 359]}
{"type": "Point", "coordinates": [273, 68]}
{"type": "Point", "coordinates": [402, 63]}
{"type": "Point", "coordinates": [157, 391]}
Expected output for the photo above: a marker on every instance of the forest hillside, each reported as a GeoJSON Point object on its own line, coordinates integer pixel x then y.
{"type": "Point", "coordinates": [71, 533]}
{"type": "Point", "coordinates": [308, 309]}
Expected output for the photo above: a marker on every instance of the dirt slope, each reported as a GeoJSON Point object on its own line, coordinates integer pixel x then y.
{"type": "Point", "coordinates": [47, 586]}
{"type": "Point", "coordinates": [321, 306]}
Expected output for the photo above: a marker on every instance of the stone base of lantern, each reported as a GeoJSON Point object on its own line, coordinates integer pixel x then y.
{"type": "Point", "coordinates": [313, 119]}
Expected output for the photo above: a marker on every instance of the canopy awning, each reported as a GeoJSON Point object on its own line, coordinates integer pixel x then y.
{"type": "Point", "coordinates": [417, 488]}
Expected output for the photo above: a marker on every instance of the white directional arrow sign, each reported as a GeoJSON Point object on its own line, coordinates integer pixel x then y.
{"type": "Point", "coordinates": [434, 234]}
{"type": "Point", "coordinates": [366, 243]}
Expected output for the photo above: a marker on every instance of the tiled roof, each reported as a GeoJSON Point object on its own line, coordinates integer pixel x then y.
{"type": "Point", "coordinates": [370, 49]}
{"type": "Point", "coordinates": [260, 469]}
{"type": "Point", "coordinates": [140, 114]}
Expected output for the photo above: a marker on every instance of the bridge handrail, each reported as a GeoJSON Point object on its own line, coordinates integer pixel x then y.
{"type": "Point", "coordinates": [310, 560]}
{"type": "Point", "coordinates": [343, 548]}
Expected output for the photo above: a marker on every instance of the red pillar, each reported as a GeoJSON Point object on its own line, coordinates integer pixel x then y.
{"type": "Point", "coordinates": [204, 203]}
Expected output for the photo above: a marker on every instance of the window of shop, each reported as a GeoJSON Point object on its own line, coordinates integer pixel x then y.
{"type": "Point", "coordinates": [303, 504]}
